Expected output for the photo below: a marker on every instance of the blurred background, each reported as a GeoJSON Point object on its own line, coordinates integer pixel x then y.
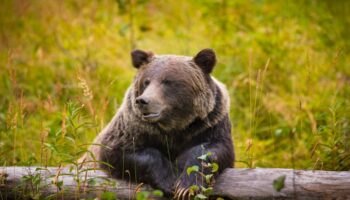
{"type": "Point", "coordinates": [65, 65]}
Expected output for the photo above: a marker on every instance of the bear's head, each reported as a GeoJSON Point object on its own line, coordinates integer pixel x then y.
{"type": "Point", "coordinates": [172, 91]}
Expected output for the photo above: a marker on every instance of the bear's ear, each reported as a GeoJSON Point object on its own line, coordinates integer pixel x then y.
{"type": "Point", "coordinates": [206, 60]}
{"type": "Point", "coordinates": [139, 57]}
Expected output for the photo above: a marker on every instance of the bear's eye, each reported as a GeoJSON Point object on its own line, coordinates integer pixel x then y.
{"type": "Point", "coordinates": [146, 82]}
{"type": "Point", "coordinates": [167, 82]}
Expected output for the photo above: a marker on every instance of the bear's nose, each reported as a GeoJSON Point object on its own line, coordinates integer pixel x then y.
{"type": "Point", "coordinates": [141, 101]}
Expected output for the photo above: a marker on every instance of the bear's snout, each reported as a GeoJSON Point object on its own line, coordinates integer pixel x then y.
{"type": "Point", "coordinates": [147, 105]}
{"type": "Point", "coordinates": [141, 101]}
{"type": "Point", "coordinates": [150, 102]}
{"type": "Point", "coordinates": [150, 108]}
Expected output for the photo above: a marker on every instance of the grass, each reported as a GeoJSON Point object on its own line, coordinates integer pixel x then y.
{"type": "Point", "coordinates": [64, 67]}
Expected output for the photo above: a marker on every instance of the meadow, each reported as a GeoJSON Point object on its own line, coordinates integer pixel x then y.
{"type": "Point", "coordinates": [65, 65]}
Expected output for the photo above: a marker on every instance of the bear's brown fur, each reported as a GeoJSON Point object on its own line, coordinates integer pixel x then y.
{"type": "Point", "coordinates": [173, 112]}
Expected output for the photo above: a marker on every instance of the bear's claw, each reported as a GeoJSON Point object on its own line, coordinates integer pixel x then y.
{"type": "Point", "coordinates": [182, 194]}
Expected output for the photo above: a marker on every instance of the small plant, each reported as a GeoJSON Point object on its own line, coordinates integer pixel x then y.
{"type": "Point", "coordinates": [211, 168]}
{"type": "Point", "coordinates": [32, 184]}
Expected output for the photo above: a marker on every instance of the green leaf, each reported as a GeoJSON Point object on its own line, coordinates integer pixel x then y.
{"type": "Point", "coordinates": [36, 179]}
{"type": "Point", "coordinates": [208, 178]}
{"type": "Point", "coordinates": [41, 168]}
{"type": "Point", "coordinates": [215, 167]}
{"type": "Point", "coordinates": [51, 146]}
{"type": "Point", "coordinates": [157, 193]}
{"type": "Point", "coordinates": [206, 190]}
{"type": "Point", "coordinates": [70, 139]}
{"type": "Point", "coordinates": [59, 184]}
{"type": "Point", "coordinates": [92, 182]}
{"type": "Point", "coordinates": [194, 168]}
{"type": "Point", "coordinates": [200, 196]}
{"type": "Point", "coordinates": [108, 196]}
{"type": "Point", "coordinates": [204, 157]}
{"type": "Point", "coordinates": [143, 195]}
{"type": "Point", "coordinates": [278, 183]}
{"type": "Point", "coordinates": [193, 189]}
{"type": "Point", "coordinates": [71, 168]}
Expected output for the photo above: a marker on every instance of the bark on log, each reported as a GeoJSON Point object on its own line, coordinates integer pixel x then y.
{"type": "Point", "coordinates": [33, 182]}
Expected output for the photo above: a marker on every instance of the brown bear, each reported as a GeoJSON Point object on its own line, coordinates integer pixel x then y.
{"type": "Point", "coordinates": [173, 112]}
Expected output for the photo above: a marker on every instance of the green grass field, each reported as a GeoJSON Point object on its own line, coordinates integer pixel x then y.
{"type": "Point", "coordinates": [64, 67]}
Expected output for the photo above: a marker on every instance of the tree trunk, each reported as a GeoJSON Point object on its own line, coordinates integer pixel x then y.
{"type": "Point", "coordinates": [35, 182]}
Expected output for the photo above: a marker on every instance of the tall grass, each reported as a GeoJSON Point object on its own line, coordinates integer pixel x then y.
{"type": "Point", "coordinates": [64, 67]}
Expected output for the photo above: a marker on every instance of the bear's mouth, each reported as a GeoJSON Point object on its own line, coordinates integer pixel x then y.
{"type": "Point", "coordinates": [150, 116]}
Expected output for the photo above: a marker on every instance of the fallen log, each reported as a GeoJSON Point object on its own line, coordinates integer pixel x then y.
{"type": "Point", "coordinates": [57, 183]}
